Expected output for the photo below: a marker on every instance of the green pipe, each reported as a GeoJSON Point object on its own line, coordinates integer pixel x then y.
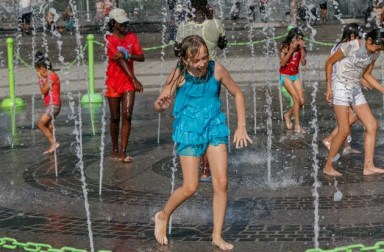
{"type": "Point", "coordinates": [91, 97]}
{"type": "Point", "coordinates": [91, 63]}
{"type": "Point", "coordinates": [11, 101]}
{"type": "Point", "coordinates": [11, 73]}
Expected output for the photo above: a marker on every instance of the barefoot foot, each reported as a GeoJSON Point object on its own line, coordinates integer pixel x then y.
{"type": "Point", "coordinates": [330, 171]}
{"type": "Point", "coordinates": [299, 130]}
{"type": "Point", "coordinates": [52, 148]}
{"type": "Point", "coordinates": [288, 122]}
{"type": "Point", "coordinates": [221, 244]}
{"type": "Point", "coordinates": [161, 228]}
{"type": "Point", "coordinates": [372, 171]}
{"type": "Point", "coordinates": [115, 155]}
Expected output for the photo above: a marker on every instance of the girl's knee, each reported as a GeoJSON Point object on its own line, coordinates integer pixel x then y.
{"type": "Point", "coordinates": [190, 190]}
{"type": "Point", "coordinates": [221, 185]}
{"type": "Point", "coordinates": [41, 125]}
{"type": "Point", "coordinates": [114, 120]}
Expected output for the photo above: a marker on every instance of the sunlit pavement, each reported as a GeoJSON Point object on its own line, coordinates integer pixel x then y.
{"type": "Point", "coordinates": [271, 205]}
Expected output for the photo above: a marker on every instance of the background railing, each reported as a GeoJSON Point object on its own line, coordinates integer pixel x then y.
{"type": "Point", "coordinates": [150, 11]}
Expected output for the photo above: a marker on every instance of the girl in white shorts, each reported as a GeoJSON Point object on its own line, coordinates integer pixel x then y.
{"type": "Point", "coordinates": [355, 60]}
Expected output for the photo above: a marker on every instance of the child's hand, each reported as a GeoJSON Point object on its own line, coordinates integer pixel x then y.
{"type": "Point", "coordinates": [119, 55]}
{"type": "Point", "coordinates": [241, 138]}
{"type": "Point", "coordinates": [165, 102]}
{"type": "Point", "coordinates": [138, 86]}
{"type": "Point", "coordinates": [328, 95]}
{"type": "Point", "coordinates": [39, 76]}
{"type": "Point", "coordinates": [366, 85]}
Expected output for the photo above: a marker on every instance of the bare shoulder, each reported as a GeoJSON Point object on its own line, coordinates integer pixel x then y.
{"type": "Point", "coordinates": [219, 68]}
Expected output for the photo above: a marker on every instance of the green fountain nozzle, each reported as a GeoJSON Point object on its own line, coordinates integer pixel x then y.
{"type": "Point", "coordinates": [92, 97]}
{"type": "Point", "coordinates": [11, 101]}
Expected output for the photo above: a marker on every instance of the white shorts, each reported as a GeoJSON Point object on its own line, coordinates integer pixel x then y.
{"type": "Point", "coordinates": [346, 95]}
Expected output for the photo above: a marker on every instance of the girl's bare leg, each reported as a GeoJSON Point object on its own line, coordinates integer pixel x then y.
{"type": "Point", "coordinates": [352, 119]}
{"type": "Point", "coordinates": [342, 133]}
{"type": "Point", "coordinates": [45, 127]}
{"type": "Point", "coordinates": [190, 168]}
{"type": "Point", "coordinates": [218, 160]}
{"type": "Point", "coordinates": [296, 102]}
{"type": "Point", "coordinates": [114, 123]}
{"type": "Point", "coordinates": [287, 118]}
{"type": "Point", "coordinates": [55, 145]}
{"type": "Point", "coordinates": [365, 115]}
{"type": "Point", "coordinates": [128, 100]}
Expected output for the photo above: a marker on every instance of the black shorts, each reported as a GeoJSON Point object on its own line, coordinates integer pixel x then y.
{"type": "Point", "coordinates": [25, 17]}
{"type": "Point", "coordinates": [323, 6]}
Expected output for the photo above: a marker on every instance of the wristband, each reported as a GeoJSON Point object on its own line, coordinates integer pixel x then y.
{"type": "Point", "coordinates": [41, 81]}
{"type": "Point", "coordinates": [127, 55]}
{"type": "Point", "coordinates": [124, 51]}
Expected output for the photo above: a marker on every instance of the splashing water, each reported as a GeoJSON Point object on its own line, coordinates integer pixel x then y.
{"type": "Point", "coordinates": [270, 51]}
{"type": "Point", "coordinates": [103, 122]}
{"type": "Point", "coordinates": [102, 144]}
{"type": "Point", "coordinates": [174, 169]}
{"type": "Point", "coordinates": [34, 11]}
{"type": "Point", "coordinates": [315, 160]}
{"type": "Point", "coordinates": [163, 31]}
{"type": "Point", "coordinates": [80, 165]}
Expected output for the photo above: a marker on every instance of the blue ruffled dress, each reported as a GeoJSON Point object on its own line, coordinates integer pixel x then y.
{"type": "Point", "coordinates": [199, 121]}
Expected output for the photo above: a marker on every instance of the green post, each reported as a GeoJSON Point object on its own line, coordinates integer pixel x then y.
{"type": "Point", "coordinates": [91, 97]}
{"type": "Point", "coordinates": [12, 101]}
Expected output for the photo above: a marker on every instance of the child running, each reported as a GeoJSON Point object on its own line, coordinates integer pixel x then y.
{"type": "Point", "coordinates": [351, 31]}
{"type": "Point", "coordinates": [292, 53]}
{"type": "Point", "coordinates": [200, 126]}
{"type": "Point", "coordinates": [50, 87]}
{"type": "Point", "coordinates": [356, 59]}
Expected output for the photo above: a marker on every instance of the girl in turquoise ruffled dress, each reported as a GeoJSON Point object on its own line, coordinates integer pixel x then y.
{"type": "Point", "coordinates": [200, 126]}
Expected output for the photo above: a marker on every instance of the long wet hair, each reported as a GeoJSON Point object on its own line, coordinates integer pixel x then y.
{"type": "Point", "coordinates": [377, 36]}
{"type": "Point", "coordinates": [42, 61]}
{"type": "Point", "coordinates": [349, 30]}
{"type": "Point", "coordinates": [189, 48]}
{"type": "Point", "coordinates": [293, 33]}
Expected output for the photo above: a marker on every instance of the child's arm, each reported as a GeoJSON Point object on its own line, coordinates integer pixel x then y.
{"type": "Point", "coordinates": [303, 51]}
{"type": "Point", "coordinates": [366, 84]}
{"type": "Point", "coordinates": [241, 136]}
{"type": "Point", "coordinates": [367, 76]}
{"type": "Point", "coordinates": [124, 66]}
{"type": "Point", "coordinates": [286, 52]}
{"type": "Point", "coordinates": [44, 85]}
{"type": "Point", "coordinates": [164, 100]}
{"type": "Point", "coordinates": [338, 55]}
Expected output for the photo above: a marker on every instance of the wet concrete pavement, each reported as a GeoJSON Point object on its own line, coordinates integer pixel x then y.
{"type": "Point", "coordinates": [270, 200]}
{"type": "Point", "coordinates": [270, 208]}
